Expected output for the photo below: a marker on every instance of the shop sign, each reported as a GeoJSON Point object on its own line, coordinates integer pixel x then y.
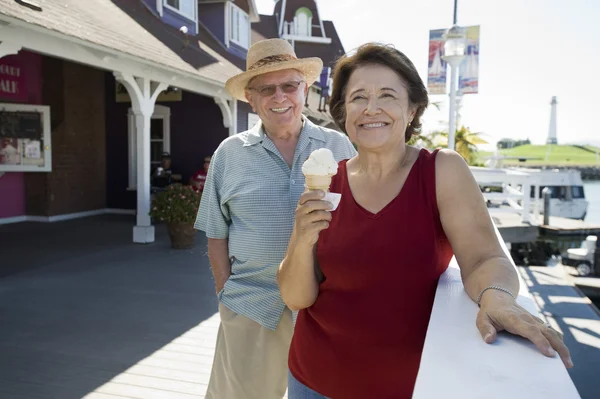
{"type": "Point", "coordinates": [12, 81]}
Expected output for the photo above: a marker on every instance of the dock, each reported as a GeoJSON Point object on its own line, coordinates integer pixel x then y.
{"type": "Point", "coordinates": [569, 311]}
{"type": "Point", "coordinates": [514, 230]}
{"type": "Point", "coordinates": [590, 286]}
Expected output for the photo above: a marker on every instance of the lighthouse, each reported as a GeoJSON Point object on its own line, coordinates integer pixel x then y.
{"type": "Point", "coordinates": [552, 128]}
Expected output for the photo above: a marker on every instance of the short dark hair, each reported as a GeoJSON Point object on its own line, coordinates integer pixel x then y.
{"type": "Point", "coordinates": [378, 54]}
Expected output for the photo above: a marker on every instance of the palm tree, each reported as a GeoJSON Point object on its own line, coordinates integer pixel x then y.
{"type": "Point", "coordinates": [465, 142]}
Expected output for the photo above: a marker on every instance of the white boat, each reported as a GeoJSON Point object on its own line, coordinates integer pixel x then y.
{"type": "Point", "coordinates": [567, 195]}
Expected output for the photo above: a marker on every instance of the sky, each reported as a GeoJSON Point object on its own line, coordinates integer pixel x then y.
{"type": "Point", "coordinates": [530, 50]}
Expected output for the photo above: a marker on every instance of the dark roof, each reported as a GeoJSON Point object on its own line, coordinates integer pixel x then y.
{"type": "Point", "coordinates": [215, 44]}
{"type": "Point", "coordinates": [267, 27]}
{"type": "Point", "coordinates": [127, 26]}
{"type": "Point", "coordinates": [329, 53]}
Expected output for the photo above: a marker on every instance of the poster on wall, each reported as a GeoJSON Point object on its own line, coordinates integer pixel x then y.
{"type": "Point", "coordinates": [10, 153]}
{"type": "Point", "coordinates": [436, 66]}
{"type": "Point", "coordinates": [468, 72]}
{"type": "Point", "coordinates": [24, 138]}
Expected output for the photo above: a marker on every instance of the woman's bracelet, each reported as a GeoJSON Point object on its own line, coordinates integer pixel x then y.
{"type": "Point", "coordinates": [493, 287]}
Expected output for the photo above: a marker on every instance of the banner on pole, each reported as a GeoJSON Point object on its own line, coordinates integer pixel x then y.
{"type": "Point", "coordinates": [468, 72]}
{"type": "Point", "coordinates": [436, 67]}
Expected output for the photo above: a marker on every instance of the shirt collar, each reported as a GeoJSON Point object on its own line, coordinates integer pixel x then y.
{"type": "Point", "coordinates": [257, 133]}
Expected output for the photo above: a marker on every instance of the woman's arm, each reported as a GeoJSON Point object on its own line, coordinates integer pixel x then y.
{"type": "Point", "coordinates": [297, 275]}
{"type": "Point", "coordinates": [469, 228]}
{"type": "Point", "coordinates": [482, 260]}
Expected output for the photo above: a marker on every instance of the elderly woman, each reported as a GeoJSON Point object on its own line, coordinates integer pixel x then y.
{"type": "Point", "coordinates": [364, 276]}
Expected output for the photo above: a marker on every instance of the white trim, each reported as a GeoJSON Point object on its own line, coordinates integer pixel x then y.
{"type": "Point", "coordinates": [225, 111]}
{"type": "Point", "coordinates": [15, 219]}
{"type": "Point", "coordinates": [160, 112]}
{"type": "Point", "coordinates": [253, 119]}
{"type": "Point", "coordinates": [67, 216]}
{"type": "Point", "coordinates": [307, 39]}
{"type": "Point", "coordinates": [118, 211]}
{"type": "Point", "coordinates": [229, 111]}
{"type": "Point", "coordinates": [9, 49]}
{"type": "Point", "coordinates": [159, 7]}
{"type": "Point", "coordinates": [306, 24]}
{"type": "Point", "coordinates": [282, 18]}
{"type": "Point", "coordinates": [459, 368]}
{"type": "Point", "coordinates": [234, 116]}
{"type": "Point", "coordinates": [240, 14]}
{"type": "Point", "coordinates": [143, 93]}
{"type": "Point", "coordinates": [191, 18]}
{"type": "Point", "coordinates": [47, 138]}
{"type": "Point", "coordinates": [46, 41]}
{"type": "Point", "coordinates": [320, 19]}
{"type": "Point", "coordinates": [196, 16]}
{"type": "Point", "coordinates": [254, 14]}
{"type": "Point", "coordinates": [227, 23]}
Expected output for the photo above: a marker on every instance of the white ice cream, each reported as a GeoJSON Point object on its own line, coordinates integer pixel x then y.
{"type": "Point", "coordinates": [320, 163]}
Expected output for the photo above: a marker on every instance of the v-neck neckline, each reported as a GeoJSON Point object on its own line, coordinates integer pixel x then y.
{"type": "Point", "coordinates": [392, 201]}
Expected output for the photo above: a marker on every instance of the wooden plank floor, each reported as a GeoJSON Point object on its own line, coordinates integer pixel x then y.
{"type": "Point", "coordinates": [571, 313]}
{"type": "Point", "coordinates": [111, 320]}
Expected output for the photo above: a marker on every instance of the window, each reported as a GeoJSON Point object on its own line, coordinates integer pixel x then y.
{"type": "Point", "coordinates": [578, 192]}
{"type": "Point", "coordinates": [184, 7]}
{"type": "Point", "coordinates": [239, 26]}
{"type": "Point", "coordinates": [303, 22]}
{"type": "Point", "coordinates": [160, 140]}
{"type": "Point", "coordinates": [253, 119]}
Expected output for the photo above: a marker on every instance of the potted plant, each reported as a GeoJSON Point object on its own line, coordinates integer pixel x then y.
{"type": "Point", "coordinates": [177, 206]}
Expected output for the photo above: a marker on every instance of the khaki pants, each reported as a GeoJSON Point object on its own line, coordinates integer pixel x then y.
{"type": "Point", "coordinates": [251, 361]}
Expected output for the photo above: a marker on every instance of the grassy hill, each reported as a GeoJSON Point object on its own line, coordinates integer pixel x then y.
{"type": "Point", "coordinates": [557, 155]}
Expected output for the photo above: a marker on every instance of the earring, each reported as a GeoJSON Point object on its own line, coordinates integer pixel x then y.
{"type": "Point", "coordinates": [409, 124]}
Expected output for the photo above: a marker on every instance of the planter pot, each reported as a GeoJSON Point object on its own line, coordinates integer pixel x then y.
{"type": "Point", "coordinates": [182, 235]}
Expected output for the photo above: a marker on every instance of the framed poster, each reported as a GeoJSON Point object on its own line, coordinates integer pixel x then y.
{"type": "Point", "coordinates": [25, 138]}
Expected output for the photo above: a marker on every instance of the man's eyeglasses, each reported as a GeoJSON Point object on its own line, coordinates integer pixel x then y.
{"type": "Point", "coordinates": [268, 90]}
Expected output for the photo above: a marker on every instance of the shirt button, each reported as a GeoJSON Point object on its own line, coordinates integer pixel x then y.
{"type": "Point", "coordinates": [293, 181]}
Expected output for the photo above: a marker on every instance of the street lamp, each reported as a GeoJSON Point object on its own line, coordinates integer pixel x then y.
{"type": "Point", "coordinates": [455, 42]}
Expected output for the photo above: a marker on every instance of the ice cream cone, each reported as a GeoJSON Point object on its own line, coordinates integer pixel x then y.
{"type": "Point", "coordinates": [318, 182]}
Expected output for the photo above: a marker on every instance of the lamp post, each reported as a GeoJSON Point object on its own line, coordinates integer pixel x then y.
{"type": "Point", "coordinates": [454, 52]}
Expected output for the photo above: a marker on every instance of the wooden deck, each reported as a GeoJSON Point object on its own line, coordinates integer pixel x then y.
{"type": "Point", "coordinates": [573, 314]}
{"type": "Point", "coordinates": [87, 314]}
{"type": "Point", "coordinates": [513, 229]}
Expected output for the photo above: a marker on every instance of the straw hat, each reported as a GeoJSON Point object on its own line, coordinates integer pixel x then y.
{"type": "Point", "coordinates": [269, 56]}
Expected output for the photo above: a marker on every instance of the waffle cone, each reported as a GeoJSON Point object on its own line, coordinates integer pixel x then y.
{"type": "Point", "coordinates": [318, 182]}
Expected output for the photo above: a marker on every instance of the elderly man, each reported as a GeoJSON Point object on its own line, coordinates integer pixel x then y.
{"type": "Point", "coordinates": [247, 211]}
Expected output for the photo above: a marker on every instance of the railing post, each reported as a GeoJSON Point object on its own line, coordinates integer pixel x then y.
{"type": "Point", "coordinates": [526, 188]}
{"type": "Point", "coordinates": [536, 200]}
{"type": "Point", "coordinates": [546, 195]}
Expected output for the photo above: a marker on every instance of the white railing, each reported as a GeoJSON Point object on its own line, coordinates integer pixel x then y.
{"type": "Point", "coordinates": [516, 191]}
{"type": "Point", "coordinates": [457, 363]}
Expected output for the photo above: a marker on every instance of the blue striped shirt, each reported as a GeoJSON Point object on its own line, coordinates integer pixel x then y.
{"type": "Point", "coordinates": [250, 198]}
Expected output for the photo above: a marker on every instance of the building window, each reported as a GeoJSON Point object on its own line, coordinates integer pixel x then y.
{"type": "Point", "coordinates": [239, 26]}
{"type": "Point", "coordinates": [160, 140]}
{"type": "Point", "coordinates": [303, 22]}
{"type": "Point", "coordinates": [253, 119]}
{"type": "Point", "coordinates": [187, 8]}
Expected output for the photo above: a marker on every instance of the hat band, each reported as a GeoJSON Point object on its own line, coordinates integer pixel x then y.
{"type": "Point", "coordinates": [273, 59]}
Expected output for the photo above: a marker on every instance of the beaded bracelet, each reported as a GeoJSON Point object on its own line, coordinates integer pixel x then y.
{"type": "Point", "coordinates": [493, 287]}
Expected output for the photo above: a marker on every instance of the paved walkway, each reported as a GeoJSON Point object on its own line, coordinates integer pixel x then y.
{"type": "Point", "coordinates": [571, 313]}
{"type": "Point", "coordinates": [85, 313]}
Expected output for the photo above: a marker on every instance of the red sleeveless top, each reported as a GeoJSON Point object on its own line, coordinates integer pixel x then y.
{"type": "Point", "coordinates": [364, 335]}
